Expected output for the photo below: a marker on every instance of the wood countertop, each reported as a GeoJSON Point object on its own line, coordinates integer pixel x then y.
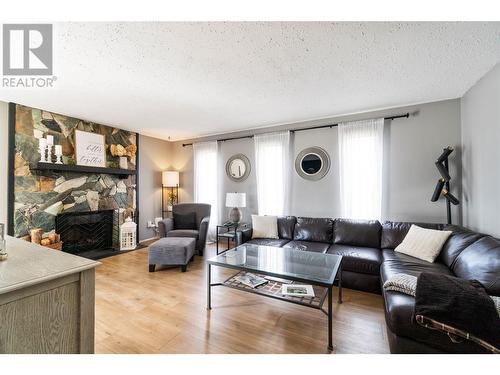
{"type": "Point", "coordinates": [29, 264]}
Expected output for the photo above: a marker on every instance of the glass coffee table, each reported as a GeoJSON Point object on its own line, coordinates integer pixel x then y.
{"type": "Point", "coordinates": [282, 266]}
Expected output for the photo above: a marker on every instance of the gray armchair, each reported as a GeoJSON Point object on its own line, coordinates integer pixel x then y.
{"type": "Point", "coordinates": [167, 227]}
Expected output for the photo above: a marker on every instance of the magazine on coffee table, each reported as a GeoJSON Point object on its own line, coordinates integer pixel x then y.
{"type": "Point", "coordinates": [295, 290]}
{"type": "Point", "coordinates": [277, 279]}
{"type": "Point", "coordinates": [251, 280]}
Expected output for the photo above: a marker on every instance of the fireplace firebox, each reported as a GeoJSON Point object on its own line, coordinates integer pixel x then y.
{"type": "Point", "coordinates": [83, 232]}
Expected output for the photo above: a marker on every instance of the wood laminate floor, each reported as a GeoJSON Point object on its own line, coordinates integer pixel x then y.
{"type": "Point", "coordinates": [165, 312]}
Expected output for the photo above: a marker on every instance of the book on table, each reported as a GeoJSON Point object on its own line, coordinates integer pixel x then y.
{"type": "Point", "coordinates": [251, 280]}
{"type": "Point", "coordinates": [295, 290]}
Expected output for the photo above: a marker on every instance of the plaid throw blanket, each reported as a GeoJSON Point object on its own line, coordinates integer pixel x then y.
{"type": "Point", "coordinates": [460, 308]}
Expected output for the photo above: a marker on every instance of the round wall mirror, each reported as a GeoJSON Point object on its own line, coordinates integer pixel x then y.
{"type": "Point", "coordinates": [238, 167]}
{"type": "Point", "coordinates": [312, 163]}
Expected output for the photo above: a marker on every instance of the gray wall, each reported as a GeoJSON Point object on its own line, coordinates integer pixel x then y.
{"type": "Point", "coordinates": [249, 186]}
{"type": "Point", "coordinates": [411, 147]}
{"type": "Point", "coordinates": [4, 157]}
{"type": "Point", "coordinates": [481, 154]}
{"type": "Point", "coordinates": [316, 198]}
{"type": "Point", "coordinates": [154, 157]}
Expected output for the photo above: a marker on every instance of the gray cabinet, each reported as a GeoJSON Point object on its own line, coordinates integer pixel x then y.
{"type": "Point", "coordinates": [47, 301]}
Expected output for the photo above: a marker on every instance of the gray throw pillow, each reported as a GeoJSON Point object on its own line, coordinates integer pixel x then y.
{"type": "Point", "coordinates": [185, 221]}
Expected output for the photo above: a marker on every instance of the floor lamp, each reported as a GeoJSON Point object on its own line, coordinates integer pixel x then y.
{"type": "Point", "coordinates": [170, 181]}
{"type": "Point", "coordinates": [443, 184]}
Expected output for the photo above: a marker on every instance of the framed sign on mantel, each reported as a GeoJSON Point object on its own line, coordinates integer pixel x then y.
{"type": "Point", "coordinates": [90, 149]}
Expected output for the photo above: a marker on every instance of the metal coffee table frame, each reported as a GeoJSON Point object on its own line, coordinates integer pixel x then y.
{"type": "Point", "coordinates": [318, 306]}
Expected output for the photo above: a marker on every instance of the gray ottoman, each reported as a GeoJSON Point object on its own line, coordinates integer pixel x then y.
{"type": "Point", "coordinates": [171, 251]}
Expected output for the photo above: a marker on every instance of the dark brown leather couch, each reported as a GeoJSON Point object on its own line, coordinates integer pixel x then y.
{"type": "Point", "coordinates": [369, 260]}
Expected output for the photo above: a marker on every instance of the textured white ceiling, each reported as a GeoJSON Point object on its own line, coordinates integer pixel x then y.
{"type": "Point", "coordinates": [183, 80]}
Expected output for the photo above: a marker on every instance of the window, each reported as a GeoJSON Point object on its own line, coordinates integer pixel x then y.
{"type": "Point", "coordinates": [206, 180]}
{"type": "Point", "coordinates": [360, 161]}
{"type": "Point", "coordinates": [272, 154]}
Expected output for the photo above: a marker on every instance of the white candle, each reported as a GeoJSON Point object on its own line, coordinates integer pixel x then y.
{"type": "Point", "coordinates": [50, 140]}
{"type": "Point", "coordinates": [42, 142]}
{"type": "Point", "coordinates": [58, 150]}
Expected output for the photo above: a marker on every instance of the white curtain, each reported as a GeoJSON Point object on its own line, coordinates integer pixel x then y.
{"type": "Point", "coordinates": [361, 160]}
{"type": "Point", "coordinates": [206, 180]}
{"type": "Point", "coordinates": [272, 165]}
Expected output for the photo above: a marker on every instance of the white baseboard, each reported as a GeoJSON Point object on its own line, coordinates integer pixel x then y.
{"type": "Point", "coordinates": [149, 239]}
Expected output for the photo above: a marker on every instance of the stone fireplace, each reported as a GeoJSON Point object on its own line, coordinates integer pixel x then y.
{"type": "Point", "coordinates": [53, 196]}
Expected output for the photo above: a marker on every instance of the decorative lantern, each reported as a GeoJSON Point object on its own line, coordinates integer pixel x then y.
{"type": "Point", "coordinates": [128, 235]}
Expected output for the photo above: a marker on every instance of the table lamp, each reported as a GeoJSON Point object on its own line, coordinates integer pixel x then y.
{"type": "Point", "coordinates": [235, 200]}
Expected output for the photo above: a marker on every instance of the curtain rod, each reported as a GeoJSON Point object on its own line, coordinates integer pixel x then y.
{"type": "Point", "coordinates": [406, 115]}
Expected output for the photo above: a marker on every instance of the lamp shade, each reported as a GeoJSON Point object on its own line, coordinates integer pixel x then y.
{"type": "Point", "coordinates": [236, 200]}
{"type": "Point", "coordinates": [170, 178]}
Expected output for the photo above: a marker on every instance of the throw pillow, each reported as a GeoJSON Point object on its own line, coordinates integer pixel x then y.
{"type": "Point", "coordinates": [185, 221]}
{"type": "Point", "coordinates": [425, 244]}
{"type": "Point", "coordinates": [264, 226]}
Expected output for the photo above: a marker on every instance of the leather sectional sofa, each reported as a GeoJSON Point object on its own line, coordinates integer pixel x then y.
{"type": "Point", "coordinates": [369, 260]}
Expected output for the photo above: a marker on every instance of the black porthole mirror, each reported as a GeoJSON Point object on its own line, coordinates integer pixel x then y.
{"type": "Point", "coordinates": [238, 167]}
{"type": "Point", "coordinates": [312, 163]}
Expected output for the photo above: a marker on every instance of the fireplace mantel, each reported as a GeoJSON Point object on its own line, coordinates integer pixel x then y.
{"type": "Point", "coordinates": [52, 167]}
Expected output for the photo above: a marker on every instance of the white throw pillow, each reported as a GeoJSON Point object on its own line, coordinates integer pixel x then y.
{"type": "Point", "coordinates": [421, 243]}
{"type": "Point", "coordinates": [264, 226]}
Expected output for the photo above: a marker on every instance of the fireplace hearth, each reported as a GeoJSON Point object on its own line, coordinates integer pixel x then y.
{"type": "Point", "coordinates": [87, 234]}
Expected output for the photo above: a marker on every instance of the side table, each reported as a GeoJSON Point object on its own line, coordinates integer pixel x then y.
{"type": "Point", "coordinates": [229, 232]}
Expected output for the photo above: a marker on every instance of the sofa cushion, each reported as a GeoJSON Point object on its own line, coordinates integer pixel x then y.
{"type": "Point", "coordinates": [394, 263]}
{"type": "Point", "coordinates": [192, 233]}
{"type": "Point", "coordinates": [364, 233]}
{"type": "Point", "coordinates": [393, 232]}
{"type": "Point", "coordinates": [276, 242]}
{"type": "Point", "coordinates": [365, 260]}
{"type": "Point", "coordinates": [286, 225]}
{"type": "Point", "coordinates": [317, 247]}
{"type": "Point", "coordinates": [314, 230]}
{"type": "Point", "coordinates": [460, 238]}
{"type": "Point", "coordinates": [481, 261]}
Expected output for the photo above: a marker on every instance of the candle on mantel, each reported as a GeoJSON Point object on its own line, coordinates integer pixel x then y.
{"type": "Point", "coordinates": [42, 142]}
{"type": "Point", "coordinates": [50, 140]}
{"type": "Point", "coordinates": [58, 150]}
